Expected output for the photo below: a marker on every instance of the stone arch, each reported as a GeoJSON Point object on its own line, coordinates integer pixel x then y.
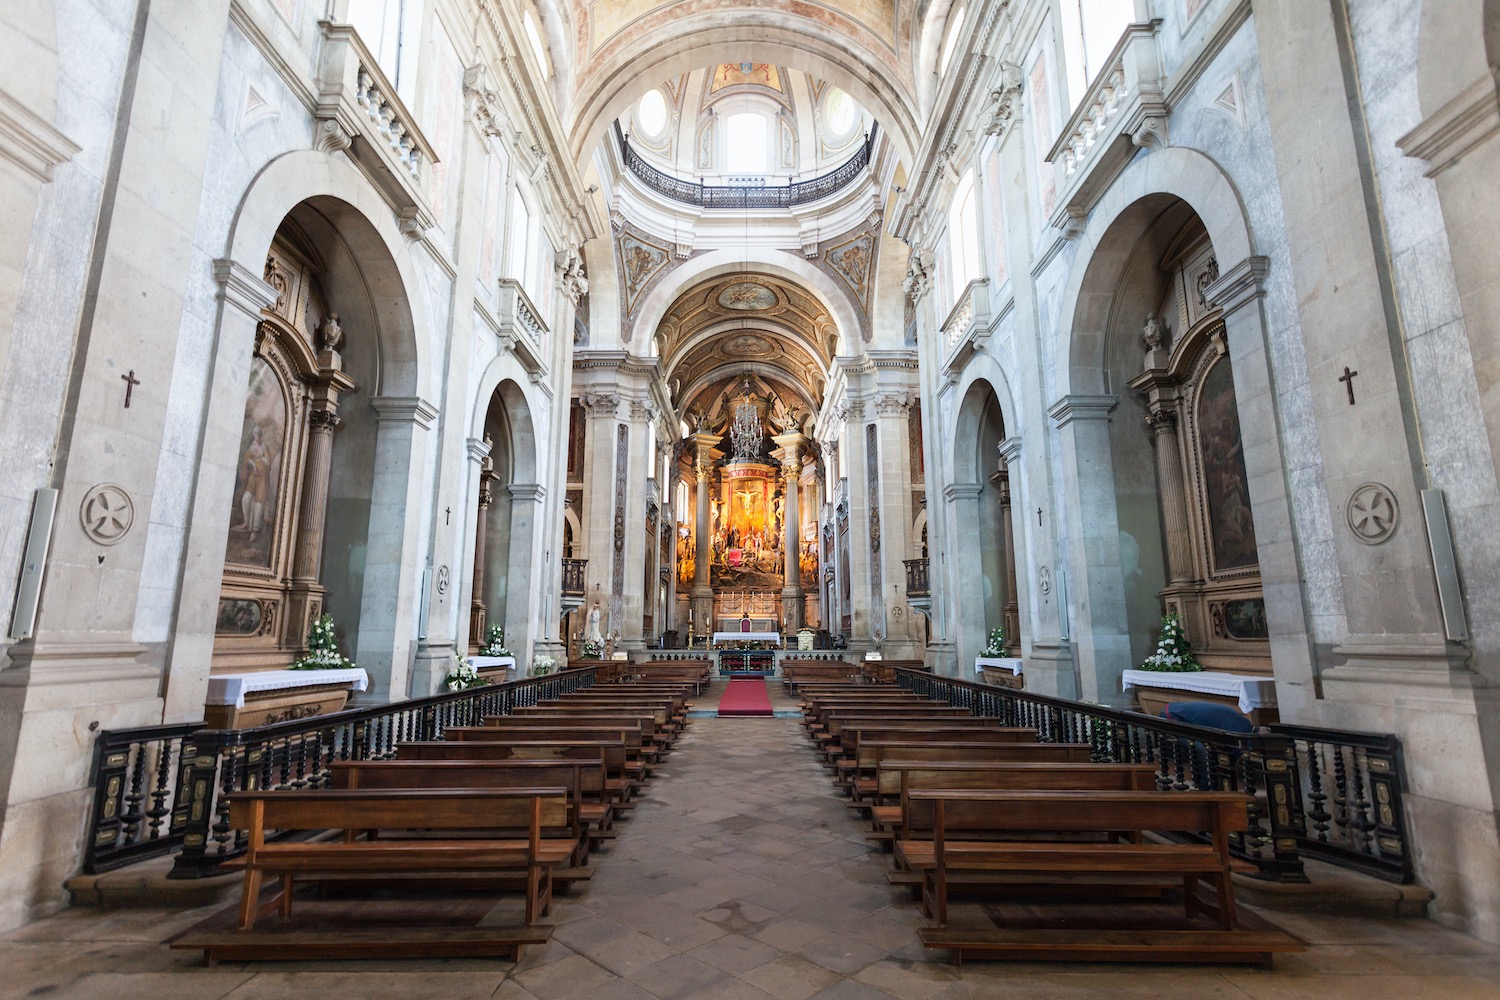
{"type": "Point", "coordinates": [627, 70]}
{"type": "Point", "coordinates": [717, 263]}
{"type": "Point", "coordinates": [1108, 241]}
{"type": "Point", "coordinates": [371, 549]}
{"type": "Point", "coordinates": [368, 225]}
{"type": "Point", "coordinates": [975, 513]}
{"type": "Point", "coordinates": [505, 573]}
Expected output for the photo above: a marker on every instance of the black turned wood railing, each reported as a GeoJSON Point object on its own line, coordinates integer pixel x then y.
{"type": "Point", "coordinates": [917, 583]}
{"type": "Point", "coordinates": [166, 788]}
{"type": "Point", "coordinates": [1326, 793]}
{"type": "Point", "coordinates": [743, 196]}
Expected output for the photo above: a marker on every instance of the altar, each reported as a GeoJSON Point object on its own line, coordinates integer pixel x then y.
{"type": "Point", "coordinates": [721, 638]}
{"type": "Point", "coordinates": [263, 697]}
{"type": "Point", "coordinates": [1253, 697]}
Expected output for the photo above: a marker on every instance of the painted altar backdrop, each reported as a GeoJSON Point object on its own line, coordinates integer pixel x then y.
{"type": "Point", "coordinates": [746, 529]}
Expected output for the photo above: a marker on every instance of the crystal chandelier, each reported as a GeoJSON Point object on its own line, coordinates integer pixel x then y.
{"type": "Point", "coordinates": [744, 430]}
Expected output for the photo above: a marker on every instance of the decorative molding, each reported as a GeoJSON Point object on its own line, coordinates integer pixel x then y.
{"type": "Point", "coordinates": [1242, 284]}
{"type": "Point", "coordinates": [31, 143]}
{"type": "Point", "coordinates": [919, 271]}
{"type": "Point", "coordinates": [1082, 407]}
{"type": "Point", "coordinates": [963, 491]}
{"type": "Point", "coordinates": [243, 288]}
{"type": "Point", "coordinates": [106, 513]}
{"type": "Point", "coordinates": [534, 492]}
{"type": "Point", "coordinates": [572, 278]}
{"type": "Point", "coordinates": [1447, 134]}
{"type": "Point", "coordinates": [600, 404]}
{"type": "Point", "coordinates": [1372, 513]}
{"type": "Point", "coordinates": [482, 104]}
{"type": "Point", "coordinates": [1010, 450]}
{"type": "Point", "coordinates": [404, 410]}
{"type": "Point", "coordinates": [1003, 112]}
{"type": "Point", "coordinates": [479, 449]}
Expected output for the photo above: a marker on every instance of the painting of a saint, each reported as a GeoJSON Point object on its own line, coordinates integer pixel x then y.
{"type": "Point", "coordinates": [1229, 518]}
{"type": "Point", "coordinates": [252, 517]}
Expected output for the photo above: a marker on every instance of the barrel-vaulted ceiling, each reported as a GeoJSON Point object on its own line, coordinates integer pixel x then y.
{"type": "Point", "coordinates": [745, 321]}
{"type": "Point", "coordinates": [621, 48]}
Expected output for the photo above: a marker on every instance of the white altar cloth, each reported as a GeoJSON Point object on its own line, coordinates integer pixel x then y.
{"type": "Point", "coordinates": [230, 689]}
{"type": "Point", "coordinates": [1251, 692]}
{"type": "Point", "coordinates": [1008, 664]}
{"type": "Point", "coordinates": [738, 636]}
{"type": "Point", "coordinates": [485, 662]}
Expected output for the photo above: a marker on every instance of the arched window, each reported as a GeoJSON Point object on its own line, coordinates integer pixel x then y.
{"type": "Point", "coordinates": [1090, 32]}
{"type": "Point", "coordinates": [521, 249]}
{"type": "Point", "coordinates": [747, 141]}
{"type": "Point", "coordinates": [963, 236]}
{"type": "Point", "coordinates": [950, 38]}
{"type": "Point", "coordinates": [534, 36]}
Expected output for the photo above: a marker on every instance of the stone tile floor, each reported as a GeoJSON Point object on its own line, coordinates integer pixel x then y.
{"type": "Point", "coordinates": [741, 875]}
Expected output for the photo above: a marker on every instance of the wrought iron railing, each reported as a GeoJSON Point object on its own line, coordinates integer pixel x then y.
{"type": "Point", "coordinates": [1324, 793]}
{"type": "Point", "coordinates": [744, 196]}
{"type": "Point", "coordinates": [917, 583]}
{"type": "Point", "coordinates": [572, 577]}
{"type": "Point", "coordinates": [166, 788]}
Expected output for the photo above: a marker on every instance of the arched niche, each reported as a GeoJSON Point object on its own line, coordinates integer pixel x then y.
{"type": "Point", "coordinates": [508, 501]}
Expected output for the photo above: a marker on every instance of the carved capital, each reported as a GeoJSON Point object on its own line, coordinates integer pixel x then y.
{"type": "Point", "coordinates": [893, 403]}
{"type": "Point", "coordinates": [331, 137]}
{"type": "Point", "coordinates": [1162, 420]}
{"type": "Point", "coordinates": [482, 103]}
{"type": "Point", "coordinates": [919, 270]}
{"type": "Point", "coordinates": [1151, 133]}
{"type": "Point", "coordinates": [323, 421]}
{"type": "Point", "coordinates": [600, 404]}
{"type": "Point", "coordinates": [571, 276]}
{"type": "Point", "coordinates": [1003, 109]}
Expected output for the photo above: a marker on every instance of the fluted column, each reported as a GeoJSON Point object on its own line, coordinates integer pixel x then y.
{"type": "Point", "coordinates": [1169, 484]}
{"type": "Point", "coordinates": [478, 609]}
{"type": "Point", "coordinates": [1011, 615]}
{"type": "Point", "coordinates": [790, 453]}
{"type": "Point", "coordinates": [703, 595]}
{"type": "Point", "coordinates": [321, 421]}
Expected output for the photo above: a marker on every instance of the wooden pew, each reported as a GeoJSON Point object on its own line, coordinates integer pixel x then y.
{"type": "Point", "coordinates": [795, 672]}
{"type": "Point", "coordinates": [636, 768]}
{"type": "Point", "coordinates": [664, 721]}
{"type": "Point", "coordinates": [618, 784]}
{"type": "Point", "coordinates": [873, 788]}
{"type": "Point", "coordinates": [941, 827]}
{"type": "Point", "coordinates": [540, 812]}
{"type": "Point", "coordinates": [842, 749]}
{"type": "Point", "coordinates": [585, 781]}
{"type": "Point", "coordinates": [698, 672]}
{"type": "Point", "coordinates": [652, 739]}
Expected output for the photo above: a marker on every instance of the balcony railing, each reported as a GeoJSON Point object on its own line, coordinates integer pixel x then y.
{"type": "Point", "coordinates": [522, 331]}
{"type": "Point", "coordinates": [166, 788]}
{"type": "Point", "coordinates": [967, 326]}
{"type": "Point", "coordinates": [572, 577]}
{"type": "Point", "coordinates": [743, 196]}
{"type": "Point", "coordinates": [1325, 793]}
{"type": "Point", "coordinates": [917, 584]}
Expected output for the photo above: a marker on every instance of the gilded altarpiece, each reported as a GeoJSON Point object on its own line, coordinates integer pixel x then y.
{"type": "Point", "coordinates": [272, 557]}
{"type": "Point", "coordinates": [1213, 569]}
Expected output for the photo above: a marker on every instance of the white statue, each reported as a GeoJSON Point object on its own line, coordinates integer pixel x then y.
{"type": "Point", "coordinates": [593, 634]}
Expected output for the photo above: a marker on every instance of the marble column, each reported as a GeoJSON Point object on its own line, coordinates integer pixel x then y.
{"type": "Point", "coordinates": [1010, 615]}
{"type": "Point", "coordinates": [478, 610]}
{"type": "Point", "coordinates": [703, 595]}
{"type": "Point", "coordinates": [1173, 496]}
{"type": "Point", "coordinates": [789, 451]}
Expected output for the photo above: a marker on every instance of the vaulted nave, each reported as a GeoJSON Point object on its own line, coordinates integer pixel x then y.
{"type": "Point", "coordinates": [427, 425]}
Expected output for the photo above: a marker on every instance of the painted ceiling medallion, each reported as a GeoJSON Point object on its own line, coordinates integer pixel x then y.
{"type": "Point", "coordinates": [746, 296]}
{"type": "Point", "coordinates": [748, 345]}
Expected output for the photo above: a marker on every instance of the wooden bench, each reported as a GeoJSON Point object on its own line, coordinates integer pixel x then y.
{"type": "Point", "coordinates": [795, 672]}
{"type": "Point", "coordinates": [941, 826]}
{"type": "Point", "coordinates": [585, 781]}
{"type": "Point", "coordinates": [649, 744]}
{"type": "Point", "coordinates": [698, 672]}
{"type": "Point", "coordinates": [636, 764]}
{"type": "Point", "coordinates": [538, 811]}
{"type": "Point", "coordinates": [618, 784]}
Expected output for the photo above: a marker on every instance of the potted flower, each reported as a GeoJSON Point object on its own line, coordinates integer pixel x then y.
{"type": "Point", "coordinates": [996, 647]}
{"type": "Point", "coordinates": [463, 675]}
{"type": "Point", "coordinates": [494, 644]}
{"type": "Point", "coordinates": [541, 666]}
{"type": "Point", "coordinates": [592, 649]}
{"type": "Point", "coordinates": [1173, 652]}
{"type": "Point", "coordinates": [322, 648]}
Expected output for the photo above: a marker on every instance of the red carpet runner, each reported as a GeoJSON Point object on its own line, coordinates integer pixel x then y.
{"type": "Point", "coordinates": [745, 698]}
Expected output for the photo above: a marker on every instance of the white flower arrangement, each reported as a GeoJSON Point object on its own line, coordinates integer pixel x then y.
{"type": "Point", "coordinates": [322, 648]}
{"type": "Point", "coordinates": [494, 644]}
{"type": "Point", "coordinates": [541, 666]}
{"type": "Point", "coordinates": [996, 646]}
{"type": "Point", "coordinates": [463, 675]}
{"type": "Point", "coordinates": [1173, 653]}
{"type": "Point", "coordinates": [592, 649]}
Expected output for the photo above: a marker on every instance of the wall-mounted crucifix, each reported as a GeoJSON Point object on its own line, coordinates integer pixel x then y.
{"type": "Point", "coordinates": [1348, 379]}
{"type": "Point", "coordinates": [130, 383]}
{"type": "Point", "coordinates": [447, 513]}
{"type": "Point", "coordinates": [1039, 517]}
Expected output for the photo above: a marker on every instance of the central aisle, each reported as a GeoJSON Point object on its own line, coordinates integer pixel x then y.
{"type": "Point", "coordinates": [739, 864]}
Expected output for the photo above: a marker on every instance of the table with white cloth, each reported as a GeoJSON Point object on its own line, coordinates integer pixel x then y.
{"type": "Point", "coordinates": [1004, 671]}
{"type": "Point", "coordinates": [261, 697]}
{"type": "Point", "coordinates": [1250, 694]}
{"type": "Point", "coordinates": [493, 666]}
{"type": "Point", "coordinates": [771, 637]}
